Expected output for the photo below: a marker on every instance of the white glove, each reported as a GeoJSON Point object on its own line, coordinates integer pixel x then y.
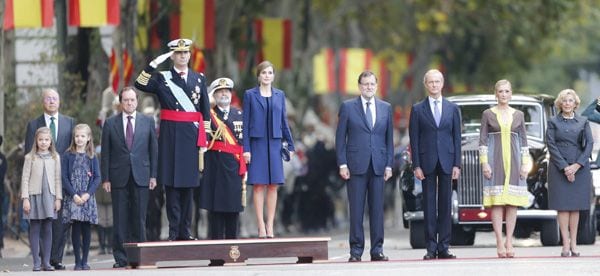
{"type": "Point", "coordinates": [160, 59]}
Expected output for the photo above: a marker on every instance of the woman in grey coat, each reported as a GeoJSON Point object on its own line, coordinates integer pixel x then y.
{"type": "Point", "coordinates": [570, 143]}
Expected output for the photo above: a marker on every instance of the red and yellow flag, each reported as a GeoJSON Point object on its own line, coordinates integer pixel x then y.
{"type": "Point", "coordinates": [113, 67]}
{"type": "Point", "coordinates": [198, 62]}
{"type": "Point", "coordinates": [353, 61]}
{"type": "Point", "coordinates": [274, 35]}
{"type": "Point", "coordinates": [28, 14]}
{"type": "Point", "coordinates": [127, 67]}
{"type": "Point", "coordinates": [324, 72]}
{"type": "Point", "coordinates": [195, 20]}
{"type": "Point", "coordinates": [93, 13]}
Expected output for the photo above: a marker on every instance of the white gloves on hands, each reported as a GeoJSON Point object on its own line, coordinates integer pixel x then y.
{"type": "Point", "coordinates": [160, 59]}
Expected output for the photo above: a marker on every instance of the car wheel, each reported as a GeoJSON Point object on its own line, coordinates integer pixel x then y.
{"type": "Point", "coordinates": [417, 234]}
{"type": "Point", "coordinates": [522, 232]}
{"type": "Point", "coordinates": [586, 233]}
{"type": "Point", "coordinates": [549, 234]}
{"type": "Point", "coordinates": [462, 237]}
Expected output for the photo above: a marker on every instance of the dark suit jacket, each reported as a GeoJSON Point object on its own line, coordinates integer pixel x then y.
{"type": "Point", "coordinates": [117, 161]}
{"type": "Point", "coordinates": [356, 143]}
{"type": "Point", "coordinates": [254, 124]}
{"type": "Point", "coordinates": [430, 143]}
{"type": "Point", "coordinates": [63, 138]}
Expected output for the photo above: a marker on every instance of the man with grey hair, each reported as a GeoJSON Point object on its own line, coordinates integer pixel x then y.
{"type": "Point", "coordinates": [61, 127]}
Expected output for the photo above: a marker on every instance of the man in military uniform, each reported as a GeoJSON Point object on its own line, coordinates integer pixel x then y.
{"type": "Point", "coordinates": [221, 191]}
{"type": "Point", "coordinates": [185, 119]}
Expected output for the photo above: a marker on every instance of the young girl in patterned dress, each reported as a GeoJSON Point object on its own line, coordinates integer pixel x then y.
{"type": "Point", "coordinates": [41, 191]}
{"type": "Point", "coordinates": [80, 178]}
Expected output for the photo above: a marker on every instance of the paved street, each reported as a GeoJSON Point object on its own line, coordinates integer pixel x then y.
{"type": "Point", "coordinates": [531, 259]}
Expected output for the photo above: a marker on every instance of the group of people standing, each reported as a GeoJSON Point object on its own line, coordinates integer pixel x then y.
{"type": "Point", "coordinates": [222, 144]}
{"type": "Point", "coordinates": [230, 147]}
{"type": "Point", "coordinates": [363, 146]}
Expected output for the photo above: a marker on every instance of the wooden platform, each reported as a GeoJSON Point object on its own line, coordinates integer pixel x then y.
{"type": "Point", "coordinates": [219, 252]}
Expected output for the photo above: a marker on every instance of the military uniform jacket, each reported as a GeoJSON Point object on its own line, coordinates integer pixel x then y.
{"type": "Point", "coordinates": [221, 188]}
{"type": "Point", "coordinates": [177, 141]}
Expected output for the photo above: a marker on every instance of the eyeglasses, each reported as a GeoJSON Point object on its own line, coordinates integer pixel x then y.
{"type": "Point", "coordinates": [50, 99]}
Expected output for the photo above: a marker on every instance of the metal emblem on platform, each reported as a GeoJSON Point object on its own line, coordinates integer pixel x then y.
{"type": "Point", "coordinates": [234, 252]}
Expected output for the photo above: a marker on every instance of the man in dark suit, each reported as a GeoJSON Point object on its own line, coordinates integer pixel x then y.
{"type": "Point", "coordinates": [61, 127]}
{"type": "Point", "coordinates": [435, 143]}
{"type": "Point", "coordinates": [364, 147]}
{"type": "Point", "coordinates": [185, 120]}
{"type": "Point", "coordinates": [129, 166]}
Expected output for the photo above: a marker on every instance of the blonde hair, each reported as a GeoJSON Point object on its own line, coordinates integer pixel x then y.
{"type": "Point", "coordinates": [89, 147]}
{"type": "Point", "coordinates": [561, 96]}
{"type": "Point", "coordinates": [35, 148]}
{"type": "Point", "coordinates": [500, 83]}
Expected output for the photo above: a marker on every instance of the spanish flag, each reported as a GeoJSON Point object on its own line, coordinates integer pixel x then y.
{"type": "Point", "coordinates": [353, 61]}
{"type": "Point", "coordinates": [198, 62]}
{"type": "Point", "coordinates": [127, 67]}
{"type": "Point", "coordinates": [93, 13]}
{"type": "Point", "coordinates": [195, 19]}
{"type": "Point", "coordinates": [381, 71]}
{"type": "Point", "coordinates": [113, 67]}
{"type": "Point", "coordinates": [324, 72]}
{"type": "Point", "coordinates": [28, 14]}
{"type": "Point", "coordinates": [274, 35]}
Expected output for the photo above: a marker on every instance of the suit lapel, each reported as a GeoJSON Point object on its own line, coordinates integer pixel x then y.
{"type": "Point", "coordinates": [359, 109]}
{"type": "Point", "coordinates": [258, 97]}
{"type": "Point", "coordinates": [179, 81]}
{"type": "Point", "coordinates": [427, 111]}
{"type": "Point", "coordinates": [120, 132]}
{"type": "Point", "coordinates": [379, 112]}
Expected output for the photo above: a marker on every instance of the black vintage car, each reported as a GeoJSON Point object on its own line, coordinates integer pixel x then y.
{"type": "Point", "coordinates": [468, 213]}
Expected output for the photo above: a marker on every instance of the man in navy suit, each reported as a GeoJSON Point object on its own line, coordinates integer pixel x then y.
{"type": "Point", "coordinates": [129, 165]}
{"type": "Point", "coordinates": [435, 142]}
{"type": "Point", "coordinates": [62, 127]}
{"type": "Point", "coordinates": [184, 123]}
{"type": "Point", "coordinates": [364, 148]}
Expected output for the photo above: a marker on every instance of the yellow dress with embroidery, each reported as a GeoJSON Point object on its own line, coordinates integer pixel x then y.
{"type": "Point", "coordinates": [503, 145]}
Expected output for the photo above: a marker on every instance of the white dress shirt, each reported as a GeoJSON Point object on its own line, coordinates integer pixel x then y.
{"type": "Point", "coordinates": [432, 105]}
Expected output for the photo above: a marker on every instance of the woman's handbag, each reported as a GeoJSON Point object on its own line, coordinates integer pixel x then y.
{"type": "Point", "coordinates": [285, 152]}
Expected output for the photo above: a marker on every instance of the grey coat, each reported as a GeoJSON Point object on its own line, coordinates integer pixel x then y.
{"type": "Point", "coordinates": [565, 142]}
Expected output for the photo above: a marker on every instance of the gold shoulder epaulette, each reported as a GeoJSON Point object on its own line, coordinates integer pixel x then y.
{"type": "Point", "coordinates": [143, 78]}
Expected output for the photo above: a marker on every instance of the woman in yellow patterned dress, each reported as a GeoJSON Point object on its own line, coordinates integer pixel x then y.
{"type": "Point", "coordinates": [504, 159]}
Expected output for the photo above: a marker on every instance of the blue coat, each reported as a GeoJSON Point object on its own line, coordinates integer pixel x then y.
{"type": "Point", "coordinates": [265, 148]}
{"type": "Point", "coordinates": [177, 141]}
{"type": "Point", "coordinates": [356, 142]}
{"type": "Point", "coordinates": [67, 160]}
{"type": "Point", "coordinates": [429, 143]}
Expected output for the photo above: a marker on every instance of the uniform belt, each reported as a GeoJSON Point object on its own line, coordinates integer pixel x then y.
{"type": "Point", "coordinates": [191, 117]}
{"type": "Point", "coordinates": [236, 150]}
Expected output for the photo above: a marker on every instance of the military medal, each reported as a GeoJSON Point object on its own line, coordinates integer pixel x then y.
{"type": "Point", "coordinates": [196, 95]}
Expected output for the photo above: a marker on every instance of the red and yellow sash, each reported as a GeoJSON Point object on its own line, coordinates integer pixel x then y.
{"type": "Point", "coordinates": [229, 145]}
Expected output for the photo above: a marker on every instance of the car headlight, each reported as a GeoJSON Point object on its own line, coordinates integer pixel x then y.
{"type": "Point", "coordinates": [530, 163]}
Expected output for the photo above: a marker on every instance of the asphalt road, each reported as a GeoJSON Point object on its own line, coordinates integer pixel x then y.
{"type": "Point", "coordinates": [531, 259]}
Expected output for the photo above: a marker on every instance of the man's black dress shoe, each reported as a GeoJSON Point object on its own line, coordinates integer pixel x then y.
{"type": "Point", "coordinates": [119, 265]}
{"type": "Point", "coordinates": [354, 259]}
{"type": "Point", "coordinates": [188, 238]}
{"type": "Point", "coordinates": [58, 266]}
{"type": "Point", "coordinates": [446, 255]}
{"type": "Point", "coordinates": [429, 256]}
{"type": "Point", "coordinates": [379, 257]}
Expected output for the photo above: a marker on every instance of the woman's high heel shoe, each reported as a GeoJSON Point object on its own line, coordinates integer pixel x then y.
{"type": "Point", "coordinates": [565, 254]}
{"type": "Point", "coordinates": [501, 254]}
{"type": "Point", "coordinates": [510, 254]}
{"type": "Point", "coordinates": [575, 254]}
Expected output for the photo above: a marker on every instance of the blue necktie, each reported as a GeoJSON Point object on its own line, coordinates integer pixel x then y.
{"type": "Point", "coordinates": [369, 115]}
{"type": "Point", "coordinates": [436, 113]}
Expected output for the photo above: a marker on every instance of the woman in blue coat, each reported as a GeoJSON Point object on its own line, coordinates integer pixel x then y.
{"type": "Point", "coordinates": [264, 133]}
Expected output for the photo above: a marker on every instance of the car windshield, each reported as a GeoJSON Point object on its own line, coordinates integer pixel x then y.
{"type": "Point", "coordinates": [471, 117]}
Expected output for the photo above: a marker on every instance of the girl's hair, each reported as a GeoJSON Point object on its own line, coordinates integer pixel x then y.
{"type": "Point", "coordinates": [89, 147]}
{"type": "Point", "coordinates": [35, 148]}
